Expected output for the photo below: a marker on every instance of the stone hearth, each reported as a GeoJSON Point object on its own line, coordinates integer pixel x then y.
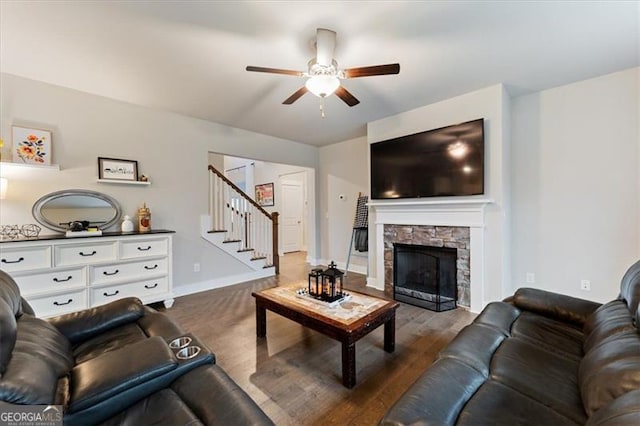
{"type": "Point", "coordinates": [436, 236]}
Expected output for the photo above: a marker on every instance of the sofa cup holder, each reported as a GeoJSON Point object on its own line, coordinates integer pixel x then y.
{"type": "Point", "coordinates": [180, 342]}
{"type": "Point", "coordinates": [188, 352]}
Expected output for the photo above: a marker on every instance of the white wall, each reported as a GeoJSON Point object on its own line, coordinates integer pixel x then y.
{"type": "Point", "coordinates": [243, 165]}
{"type": "Point", "coordinates": [575, 187]}
{"type": "Point", "coordinates": [492, 104]}
{"type": "Point", "coordinates": [171, 149]}
{"type": "Point", "coordinates": [216, 160]}
{"type": "Point", "coordinates": [343, 170]}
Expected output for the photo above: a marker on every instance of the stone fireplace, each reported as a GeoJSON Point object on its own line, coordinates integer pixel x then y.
{"type": "Point", "coordinates": [460, 224]}
{"type": "Point", "coordinates": [455, 237]}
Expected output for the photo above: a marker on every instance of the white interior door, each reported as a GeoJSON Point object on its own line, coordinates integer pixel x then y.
{"type": "Point", "coordinates": [291, 216]}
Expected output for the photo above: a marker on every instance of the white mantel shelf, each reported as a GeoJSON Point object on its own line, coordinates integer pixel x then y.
{"type": "Point", "coordinates": [124, 182]}
{"type": "Point", "coordinates": [419, 202]}
{"type": "Point", "coordinates": [467, 212]}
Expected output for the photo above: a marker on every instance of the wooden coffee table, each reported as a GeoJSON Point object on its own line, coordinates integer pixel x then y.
{"type": "Point", "coordinates": [346, 323]}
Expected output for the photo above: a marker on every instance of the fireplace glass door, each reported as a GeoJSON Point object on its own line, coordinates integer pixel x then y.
{"type": "Point", "coordinates": [425, 276]}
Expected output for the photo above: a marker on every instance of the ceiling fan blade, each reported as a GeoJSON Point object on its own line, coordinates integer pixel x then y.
{"type": "Point", "coordinates": [372, 70]}
{"type": "Point", "coordinates": [325, 46]}
{"type": "Point", "coordinates": [297, 95]}
{"type": "Point", "coordinates": [346, 96]}
{"type": "Point", "coordinates": [274, 71]}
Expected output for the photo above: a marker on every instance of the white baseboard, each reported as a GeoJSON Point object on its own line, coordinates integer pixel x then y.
{"type": "Point", "coordinates": [373, 283]}
{"type": "Point", "coordinates": [184, 290]}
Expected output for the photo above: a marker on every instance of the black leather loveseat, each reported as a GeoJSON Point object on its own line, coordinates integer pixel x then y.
{"type": "Point", "coordinates": [112, 365]}
{"type": "Point", "coordinates": [539, 358]}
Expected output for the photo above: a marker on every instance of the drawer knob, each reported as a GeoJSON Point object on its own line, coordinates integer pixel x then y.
{"type": "Point", "coordinates": [63, 303]}
{"type": "Point", "coordinates": [61, 280]}
{"type": "Point", "coordinates": [149, 287]}
{"type": "Point", "coordinates": [149, 268]}
{"type": "Point", "coordinates": [147, 248]}
{"type": "Point", "coordinates": [13, 261]}
{"type": "Point", "coordinates": [111, 273]}
{"type": "Point", "coordinates": [87, 254]}
{"type": "Point", "coordinates": [111, 294]}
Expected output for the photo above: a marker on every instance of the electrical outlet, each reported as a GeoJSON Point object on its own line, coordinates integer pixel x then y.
{"type": "Point", "coordinates": [585, 285]}
{"type": "Point", "coordinates": [196, 267]}
{"type": "Point", "coordinates": [531, 278]}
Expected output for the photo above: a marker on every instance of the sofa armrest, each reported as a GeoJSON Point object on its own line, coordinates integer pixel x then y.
{"type": "Point", "coordinates": [105, 404]}
{"type": "Point", "coordinates": [114, 372]}
{"type": "Point", "coordinates": [83, 325]}
{"type": "Point", "coordinates": [216, 399]}
{"type": "Point", "coordinates": [554, 305]}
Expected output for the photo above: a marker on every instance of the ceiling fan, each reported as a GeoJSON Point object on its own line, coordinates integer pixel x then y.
{"type": "Point", "coordinates": [323, 73]}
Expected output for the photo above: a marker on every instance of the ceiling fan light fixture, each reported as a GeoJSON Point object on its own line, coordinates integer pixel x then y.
{"type": "Point", "coordinates": [322, 85]}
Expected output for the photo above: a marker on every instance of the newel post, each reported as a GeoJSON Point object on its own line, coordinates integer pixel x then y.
{"type": "Point", "coordinates": [276, 256]}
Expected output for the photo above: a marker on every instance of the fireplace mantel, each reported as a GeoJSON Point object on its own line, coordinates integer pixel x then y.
{"type": "Point", "coordinates": [433, 212]}
{"type": "Point", "coordinates": [464, 213]}
{"type": "Point", "coordinates": [428, 202]}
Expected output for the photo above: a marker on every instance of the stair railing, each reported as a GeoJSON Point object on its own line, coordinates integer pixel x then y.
{"type": "Point", "coordinates": [242, 220]}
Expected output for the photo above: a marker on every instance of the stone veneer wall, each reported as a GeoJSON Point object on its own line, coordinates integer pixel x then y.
{"type": "Point", "coordinates": [435, 236]}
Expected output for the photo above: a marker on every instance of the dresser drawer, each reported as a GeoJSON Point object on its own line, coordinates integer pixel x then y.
{"type": "Point", "coordinates": [144, 290]}
{"type": "Point", "coordinates": [83, 254]}
{"type": "Point", "coordinates": [25, 259]}
{"type": "Point", "coordinates": [51, 281]}
{"type": "Point", "coordinates": [48, 306]}
{"type": "Point", "coordinates": [128, 271]}
{"type": "Point", "coordinates": [143, 248]}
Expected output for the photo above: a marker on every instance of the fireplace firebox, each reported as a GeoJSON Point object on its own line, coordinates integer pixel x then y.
{"type": "Point", "coordinates": [425, 276]}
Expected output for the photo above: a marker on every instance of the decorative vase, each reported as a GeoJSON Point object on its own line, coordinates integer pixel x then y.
{"type": "Point", "coordinates": [127, 224]}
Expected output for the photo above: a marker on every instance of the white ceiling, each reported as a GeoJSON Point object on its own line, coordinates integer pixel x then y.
{"type": "Point", "coordinates": [189, 57]}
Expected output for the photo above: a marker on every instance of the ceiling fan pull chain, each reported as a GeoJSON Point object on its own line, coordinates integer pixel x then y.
{"type": "Point", "coordinates": [322, 107]}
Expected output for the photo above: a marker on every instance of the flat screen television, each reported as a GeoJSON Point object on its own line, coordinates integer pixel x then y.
{"type": "Point", "coordinates": [442, 162]}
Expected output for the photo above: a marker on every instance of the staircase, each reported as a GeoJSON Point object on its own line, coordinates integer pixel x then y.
{"type": "Point", "coordinates": [240, 227]}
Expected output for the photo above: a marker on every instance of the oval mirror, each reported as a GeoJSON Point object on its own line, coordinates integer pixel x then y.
{"type": "Point", "coordinates": [58, 210]}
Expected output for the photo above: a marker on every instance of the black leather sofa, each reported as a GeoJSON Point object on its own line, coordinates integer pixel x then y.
{"type": "Point", "coordinates": [538, 358]}
{"type": "Point", "coordinates": [113, 365]}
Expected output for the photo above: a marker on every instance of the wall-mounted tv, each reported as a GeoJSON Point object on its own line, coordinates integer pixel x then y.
{"type": "Point", "coordinates": [442, 162]}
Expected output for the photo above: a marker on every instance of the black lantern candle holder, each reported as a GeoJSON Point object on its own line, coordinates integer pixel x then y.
{"type": "Point", "coordinates": [332, 283]}
{"type": "Point", "coordinates": [315, 282]}
{"type": "Point", "coordinates": [325, 285]}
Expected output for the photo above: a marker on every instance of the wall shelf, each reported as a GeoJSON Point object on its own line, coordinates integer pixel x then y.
{"type": "Point", "coordinates": [16, 170]}
{"type": "Point", "coordinates": [123, 182]}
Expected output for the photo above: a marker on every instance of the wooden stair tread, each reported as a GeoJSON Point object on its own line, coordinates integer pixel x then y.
{"type": "Point", "coordinates": [216, 231]}
{"type": "Point", "coordinates": [243, 250]}
{"type": "Point", "coordinates": [259, 258]}
{"type": "Point", "coordinates": [230, 241]}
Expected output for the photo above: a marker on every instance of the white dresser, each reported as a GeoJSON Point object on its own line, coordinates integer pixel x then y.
{"type": "Point", "coordinates": [58, 275]}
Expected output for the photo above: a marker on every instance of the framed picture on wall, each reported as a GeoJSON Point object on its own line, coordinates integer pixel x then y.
{"type": "Point", "coordinates": [31, 146]}
{"type": "Point", "coordinates": [264, 194]}
{"type": "Point", "coordinates": [116, 169]}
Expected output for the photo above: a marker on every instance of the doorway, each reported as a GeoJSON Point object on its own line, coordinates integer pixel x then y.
{"type": "Point", "coordinates": [292, 216]}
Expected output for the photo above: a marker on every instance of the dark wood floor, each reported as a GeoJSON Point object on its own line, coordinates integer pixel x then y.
{"type": "Point", "coordinates": [294, 374]}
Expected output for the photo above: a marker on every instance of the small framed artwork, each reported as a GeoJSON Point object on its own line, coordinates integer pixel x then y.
{"type": "Point", "coordinates": [264, 194]}
{"type": "Point", "coordinates": [31, 146]}
{"type": "Point", "coordinates": [116, 169]}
